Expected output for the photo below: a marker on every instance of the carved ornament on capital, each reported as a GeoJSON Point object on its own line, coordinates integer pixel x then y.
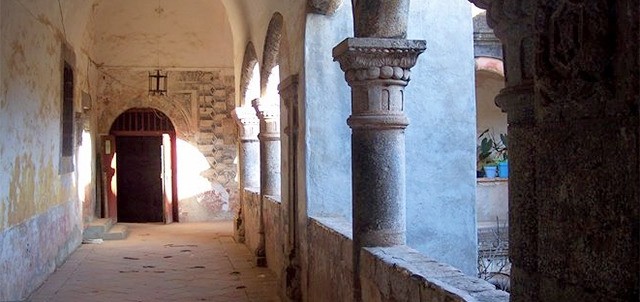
{"type": "Point", "coordinates": [513, 23]}
{"type": "Point", "coordinates": [377, 71]}
{"type": "Point", "coordinates": [269, 115]}
{"type": "Point", "coordinates": [288, 89]}
{"type": "Point", "coordinates": [248, 123]}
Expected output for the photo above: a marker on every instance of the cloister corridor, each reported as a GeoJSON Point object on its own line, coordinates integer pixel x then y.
{"type": "Point", "coordinates": [157, 262]}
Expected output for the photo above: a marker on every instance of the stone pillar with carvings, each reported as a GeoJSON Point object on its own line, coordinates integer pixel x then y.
{"type": "Point", "coordinates": [269, 137]}
{"type": "Point", "coordinates": [512, 22]}
{"type": "Point", "coordinates": [573, 126]}
{"type": "Point", "coordinates": [249, 159]}
{"type": "Point", "coordinates": [587, 167]}
{"type": "Point", "coordinates": [377, 69]}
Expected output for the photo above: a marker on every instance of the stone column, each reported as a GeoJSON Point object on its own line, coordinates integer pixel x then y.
{"type": "Point", "coordinates": [380, 18]}
{"type": "Point", "coordinates": [289, 93]}
{"type": "Point", "coordinates": [572, 128]}
{"type": "Point", "coordinates": [248, 159]}
{"type": "Point", "coordinates": [377, 71]}
{"type": "Point", "coordinates": [269, 137]}
{"type": "Point", "coordinates": [512, 22]}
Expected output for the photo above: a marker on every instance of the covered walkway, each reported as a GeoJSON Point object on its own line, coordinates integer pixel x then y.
{"type": "Point", "coordinates": [176, 262]}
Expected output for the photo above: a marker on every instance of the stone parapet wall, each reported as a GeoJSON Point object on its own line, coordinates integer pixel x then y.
{"type": "Point", "coordinates": [397, 273]}
{"type": "Point", "coordinates": [251, 220]}
{"type": "Point", "coordinates": [330, 260]}
{"type": "Point", "coordinates": [400, 273]}
{"type": "Point", "coordinates": [275, 235]}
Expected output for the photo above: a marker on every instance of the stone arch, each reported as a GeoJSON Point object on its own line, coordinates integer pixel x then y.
{"type": "Point", "coordinates": [491, 65]}
{"type": "Point", "coordinates": [271, 53]}
{"type": "Point", "coordinates": [249, 62]}
{"type": "Point", "coordinates": [323, 7]}
{"type": "Point", "coordinates": [178, 116]}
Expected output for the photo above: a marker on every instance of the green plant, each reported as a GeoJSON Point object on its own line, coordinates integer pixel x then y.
{"type": "Point", "coordinates": [490, 150]}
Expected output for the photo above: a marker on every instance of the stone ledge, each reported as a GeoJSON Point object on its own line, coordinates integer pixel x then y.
{"type": "Point", "coordinates": [491, 180]}
{"type": "Point", "coordinates": [273, 199]}
{"type": "Point", "coordinates": [337, 225]}
{"type": "Point", "coordinates": [252, 191]}
{"type": "Point", "coordinates": [400, 273]}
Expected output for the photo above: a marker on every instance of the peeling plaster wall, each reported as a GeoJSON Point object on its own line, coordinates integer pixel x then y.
{"type": "Point", "coordinates": [40, 209]}
{"type": "Point", "coordinates": [199, 104]}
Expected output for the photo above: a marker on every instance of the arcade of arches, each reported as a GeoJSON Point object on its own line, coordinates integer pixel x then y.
{"type": "Point", "coordinates": [339, 136]}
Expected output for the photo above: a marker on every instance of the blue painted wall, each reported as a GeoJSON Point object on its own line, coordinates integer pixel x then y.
{"type": "Point", "coordinates": [440, 103]}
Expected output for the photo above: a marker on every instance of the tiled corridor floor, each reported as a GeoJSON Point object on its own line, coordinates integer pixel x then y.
{"type": "Point", "coordinates": [176, 262]}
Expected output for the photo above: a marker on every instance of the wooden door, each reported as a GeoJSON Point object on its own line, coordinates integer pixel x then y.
{"type": "Point", "coordinates": [140, 188]}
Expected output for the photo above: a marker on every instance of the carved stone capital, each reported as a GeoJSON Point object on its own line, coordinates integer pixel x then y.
{"type": "Point", "coordinates": [377, 71]}
{"type": "Point", "coordinates": [269, 115]}
{"type": "Point", "coordinates": [288, 89]}
{"type": "Point", "coordinates": [372, 58]}
{"type": "Point", "coordinates": [513, 23]}
{"type": "Point", "coordinates": [248, 123]}
{"type": "Point", "coordinates": [265, 111]}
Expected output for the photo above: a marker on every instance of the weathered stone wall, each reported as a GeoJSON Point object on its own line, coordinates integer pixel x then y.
{"type": "Point", "coordinates": [275, 236]}
{"type": "Point", "coordinates": [330, 266]}
{"type": "Point", "coordinates": [40, 209]}
{"type": "Point", "coordinates": [199, 104]}
{"type": "Point", "coordinates": [400, 273]}
{"type": "Point", "coordinates": [251, 221]}
{"type": "Point", "coordinates": [397, 273]}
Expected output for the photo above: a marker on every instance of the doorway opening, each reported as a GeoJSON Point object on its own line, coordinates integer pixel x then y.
{"type": "Point", "coordinates": [139, 157]}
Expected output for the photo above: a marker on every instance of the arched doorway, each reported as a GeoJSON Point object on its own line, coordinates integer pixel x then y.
{"type": "Point", "coordinates": [141, 159]}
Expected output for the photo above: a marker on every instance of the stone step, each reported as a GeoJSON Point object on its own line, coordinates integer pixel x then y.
{"type": "Point", "coordinates": [117, 232]}
{"type": "Point", "coordinates": [97, 228]}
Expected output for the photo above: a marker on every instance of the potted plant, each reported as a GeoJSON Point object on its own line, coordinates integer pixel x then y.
{"type": "Point", "coordinates": [492, 155]}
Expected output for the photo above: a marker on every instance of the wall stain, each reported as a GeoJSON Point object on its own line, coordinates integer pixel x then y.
{"type": "Point", "coordinates": [22, 190]}
{"type": "Point", "coordinates": [16, 58]}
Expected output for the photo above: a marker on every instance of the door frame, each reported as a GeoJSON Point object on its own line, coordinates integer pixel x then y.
{"type": "Point", "coordinates": [111, 203]}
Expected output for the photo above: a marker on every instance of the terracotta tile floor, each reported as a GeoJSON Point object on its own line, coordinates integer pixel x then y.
{"type": "Point", "coordinates": [176, 262]}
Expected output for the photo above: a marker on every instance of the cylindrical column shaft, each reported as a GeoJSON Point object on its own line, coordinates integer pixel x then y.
{"type": "Point", "coordinates": [269, 137]}
{"type": "Point", "coordinates": [380, 18]}
{"type": "Point", "coordinates": [378, 187]}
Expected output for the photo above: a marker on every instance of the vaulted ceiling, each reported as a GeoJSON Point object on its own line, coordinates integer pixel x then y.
{"type": "Point", "coordinates": [164, 33]}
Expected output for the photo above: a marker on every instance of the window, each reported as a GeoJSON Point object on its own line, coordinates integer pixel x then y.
{"type": "Point", "coordinates": [67, 112]}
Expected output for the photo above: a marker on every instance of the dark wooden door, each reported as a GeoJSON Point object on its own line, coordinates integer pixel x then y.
{"type": "Point", "coordinates": [139, 171]}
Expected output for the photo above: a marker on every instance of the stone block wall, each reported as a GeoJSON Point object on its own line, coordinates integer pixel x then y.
{"type": "Point", "coordinates": [251, 221]}
{"type": "Point", "coordinates": [275, 236]}
{"type": "Point", "coordinates": [400, 273]}
{"type": "Point", "coordinates": [330, 266]}
{"type": "Point", "coordinates": [397, 273]}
